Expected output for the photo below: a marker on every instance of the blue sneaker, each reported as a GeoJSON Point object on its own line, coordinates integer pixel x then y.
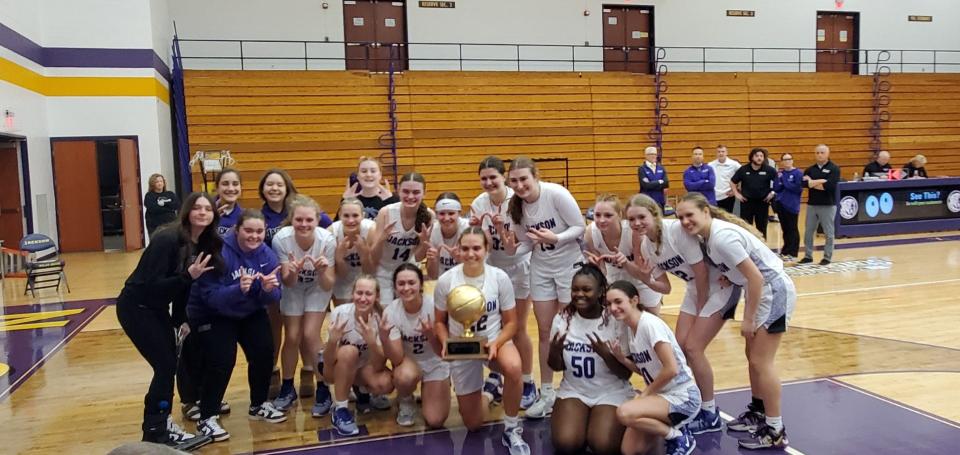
{"type": "Point", "coordinates": [683, 445]}
{"type": "Point", "coordinates": [323, 402]}
{"type": "Point", "coordinates": [512, 439]}
{"type": "Point", "coordinates": [491, 389]}
{"type": "Point", "coordinates": [344, 423]}
{"type": "Point", "coordinates": [529, 396]}
{"type": "Point", "coordinates": [285, 400]}
{"type": "Point", "coordinates": [705, 422]}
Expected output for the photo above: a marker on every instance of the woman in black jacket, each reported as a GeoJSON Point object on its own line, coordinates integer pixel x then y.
{"type": "Point", "coordinates": [178, 254]}
{"type": "Point", "coordinates": [161, 204]}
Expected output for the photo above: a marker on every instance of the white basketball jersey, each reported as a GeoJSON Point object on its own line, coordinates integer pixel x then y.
{"type": "Point", "coordinates": [344, 286]}
{"type": "Point", "coordinates": [406, 326]}
{"type": "Point", "coordinates": [497, 291]}
{"type": "Point", "coordinates": [556, 210]}
{"type": "Point", "coordinates": [625, 246]}
{"type": "Point", "coordinates": [398, 248]}
{"type": "Point", "coordinates": [497, 257]}
{"type": "Point", "coordinates": [447, 261]}
{"type": "Point", "coordinates": [324, 244]}
{"type": "Point", "coordinates": [586, 373]}
{"type": "Point", "coordinates": [351, 333]}
{"type": "Point", "coordinates": [729, 245]}
{"type": "Point", "coordinates": [650, 331]}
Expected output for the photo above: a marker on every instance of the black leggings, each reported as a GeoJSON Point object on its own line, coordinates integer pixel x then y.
{"type": "Point", "coordinates": [756, 212]}
{"type": "Point", "coordinates": [151, 331]}
{"type": "Point", "coordinates": [791, 232]}
{"type": "Point", "coordinates": [218, 340]}
{"type": "Point", "coordinates": [190, 370]}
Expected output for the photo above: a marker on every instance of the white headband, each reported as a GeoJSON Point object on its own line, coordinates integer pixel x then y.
{"type": "Point", "coordinates": [448, 204]}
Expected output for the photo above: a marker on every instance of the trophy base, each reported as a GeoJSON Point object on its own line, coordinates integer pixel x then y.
{"type": "Point", "coordinates": [461, 348]}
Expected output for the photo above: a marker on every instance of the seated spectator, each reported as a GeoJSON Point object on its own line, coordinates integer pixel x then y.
{"type": "Point", "coordinates": [879, 166]}
{"type": "Point", "coordinates": [915, 168]}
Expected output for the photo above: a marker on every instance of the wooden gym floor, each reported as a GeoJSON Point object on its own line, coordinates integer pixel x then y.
{"type": "Point", "coordinates": [881, 321]}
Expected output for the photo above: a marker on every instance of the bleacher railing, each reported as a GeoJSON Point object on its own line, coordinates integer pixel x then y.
{"type": "Point", "coordinates": [330, 55]}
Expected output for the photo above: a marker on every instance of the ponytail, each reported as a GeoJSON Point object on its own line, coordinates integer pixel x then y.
{"type": "Point", "coordinates": [701, 203]}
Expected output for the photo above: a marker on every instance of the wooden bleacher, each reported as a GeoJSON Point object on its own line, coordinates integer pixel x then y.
{"type": "Point", "coordinates": [315, 124]}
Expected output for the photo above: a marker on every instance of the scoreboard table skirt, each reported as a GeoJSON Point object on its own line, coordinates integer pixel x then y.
{"type": "Point", "coordinates": [883, 207]}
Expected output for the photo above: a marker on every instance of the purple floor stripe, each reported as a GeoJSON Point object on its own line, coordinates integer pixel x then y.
{"type": "Point", "coordinates": [821, 417]}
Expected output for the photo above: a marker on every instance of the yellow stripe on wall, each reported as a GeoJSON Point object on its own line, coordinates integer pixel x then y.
{"type": "Point", "coordinates": [81, 86]}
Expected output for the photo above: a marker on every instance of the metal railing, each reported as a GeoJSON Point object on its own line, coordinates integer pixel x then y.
{"type": "Point", "coordinates": [285, 54]}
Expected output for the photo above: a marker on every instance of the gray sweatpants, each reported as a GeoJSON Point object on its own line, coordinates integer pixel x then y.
{"type": "Point", "coordinates": [822, 215]}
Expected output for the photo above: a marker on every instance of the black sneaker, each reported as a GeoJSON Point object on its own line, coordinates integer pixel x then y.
{"type": "Point", "coordinates": [824, 262]}
{"type": "Point", "coordinates": [805, 260]}
{"type": "Point", "coordinates": [765, 437]}
{"type": "Point", "coordinates": [748, 421]}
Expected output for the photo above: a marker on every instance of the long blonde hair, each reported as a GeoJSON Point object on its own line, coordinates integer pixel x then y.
{"type": "Point", "coordinates": [643, 201]}
{"type": "Point", "coordinates": [701, 203]}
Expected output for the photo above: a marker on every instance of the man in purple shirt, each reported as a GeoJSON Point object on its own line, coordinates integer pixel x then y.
{"type": "Point", "coordinates": [700, 178]}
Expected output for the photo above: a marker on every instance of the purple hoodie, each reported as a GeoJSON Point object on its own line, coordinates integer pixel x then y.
{"type": "Point", "coordinates": [218, 295]}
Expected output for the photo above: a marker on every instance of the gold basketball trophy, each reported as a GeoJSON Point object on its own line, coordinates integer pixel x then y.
{"type": "Point", "coordinates": [465, 304]}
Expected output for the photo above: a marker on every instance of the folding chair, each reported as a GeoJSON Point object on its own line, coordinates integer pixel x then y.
{"type": "Point", "coordinates": [44, 267]}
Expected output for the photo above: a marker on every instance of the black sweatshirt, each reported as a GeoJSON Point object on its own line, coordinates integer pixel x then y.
{"type": "Point", "coordinates": [831, 173]}
{"type": "Point", "coordinates": [160, 277]}
{"type": "Point", "coordinates": [161, 208]}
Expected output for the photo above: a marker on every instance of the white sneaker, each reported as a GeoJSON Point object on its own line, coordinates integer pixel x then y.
{"type": "Point", "coordinates": [267, 413]}
{"type": "Point", "coordinates": [512, 439]}
{"type": "Point", "coordinates": [176, 433]}
{"type": "Point", "coordinates": [407, 413]}
{"type": "Point", "coordinates": [543, 407]}
{"type": "Point", "coordinates": [211, 427]}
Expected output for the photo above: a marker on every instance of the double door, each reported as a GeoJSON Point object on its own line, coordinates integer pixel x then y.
{"type": "Point", "coordinates": [837, 42]}
{"type": "Point", "coordinates": [375, 35]}
{"type": "Point", "coordinates": [628, 39]}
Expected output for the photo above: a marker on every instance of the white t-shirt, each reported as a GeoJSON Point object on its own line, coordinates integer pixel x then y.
{"type": "Point", "coordinates": [498, 257]}
{"type": "Point", "coordinates": [651, 330]}
{"type": "Point", "coordinates": [344, 285]}
{"type": "Point", "coordinates": [447, 261]}
{"type": "Point", "coordinates": [724, 172]}
{"type": "Point", "coordinates": [586, 372]}
{"type": "Point", "coordinates": [324, 244]}
{"type": "Point", "coordinates": [406, 326]}
{"type": "Point", "coordinates": [351, 333]}
{"type": "Point", "coordinates": [398, 248]}
{"type": "Point", "coordinates": [729, 245]}
{"type": "Point", "coordinates": [556, 210]}
{"type": "Point", "coordinates": [497, 291]}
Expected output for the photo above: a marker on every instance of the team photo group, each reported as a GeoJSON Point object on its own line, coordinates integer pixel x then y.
{"type": "Point", "coordinates": [392, 303]}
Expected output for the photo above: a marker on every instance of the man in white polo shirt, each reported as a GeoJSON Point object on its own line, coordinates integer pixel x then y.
{"type": "Point", "coordinates": [724, 168]}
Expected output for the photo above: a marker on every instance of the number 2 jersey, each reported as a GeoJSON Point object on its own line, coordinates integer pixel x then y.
{"type": "Point", "coordinates": [406, 327]}
{"type": "Point", "coordinates": [497, 293]}
{"type": "Point", "coordinates": [586, 373]}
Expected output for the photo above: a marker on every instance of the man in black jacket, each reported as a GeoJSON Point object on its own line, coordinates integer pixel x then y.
{"type": "Point", "coordinates": [821, 179]}
{"type": "Point", "coordinates": [879, 166]}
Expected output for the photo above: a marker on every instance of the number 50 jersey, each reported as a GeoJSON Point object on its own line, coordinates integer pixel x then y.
{"type": "Point", "coordinates": [586, 375]}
